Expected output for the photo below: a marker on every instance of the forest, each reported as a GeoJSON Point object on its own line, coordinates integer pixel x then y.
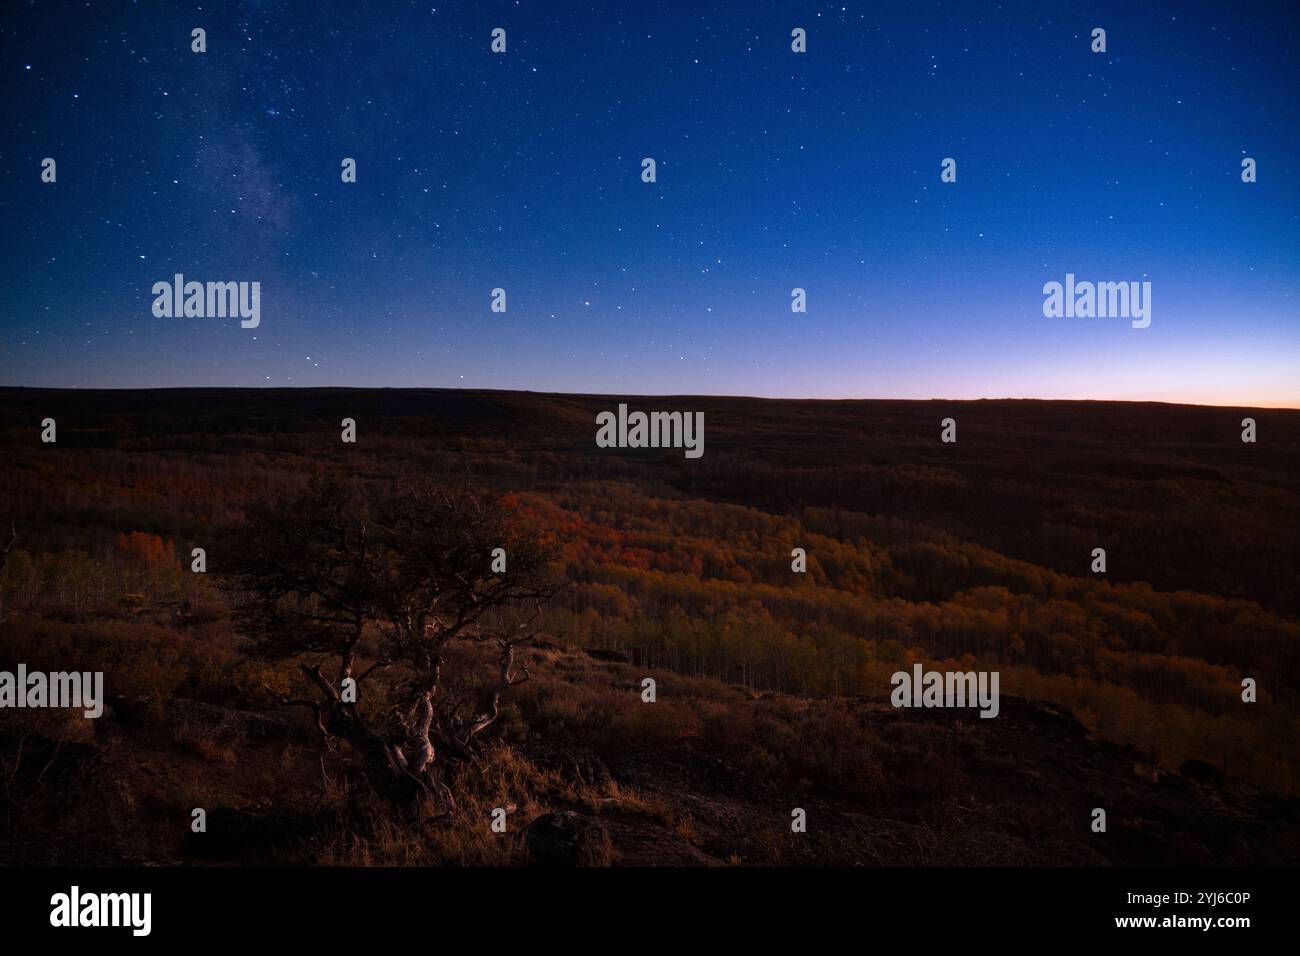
{"type": "Point", "coordinates": [966, 556]}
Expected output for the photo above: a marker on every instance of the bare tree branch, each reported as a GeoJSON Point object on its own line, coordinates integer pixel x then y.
{"type": "Point", "coordinates": [326, 571]}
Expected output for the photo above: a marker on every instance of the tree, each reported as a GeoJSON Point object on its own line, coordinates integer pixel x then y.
{"type": "Point", "coordinates": [389, 580]}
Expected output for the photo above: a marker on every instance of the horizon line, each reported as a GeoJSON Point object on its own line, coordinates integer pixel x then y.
{"type": "Point", "coordinates": [632, 395]}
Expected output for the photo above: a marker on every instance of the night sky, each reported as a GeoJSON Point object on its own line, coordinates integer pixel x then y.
{"type": "Point", "coordinates": [775, 170]}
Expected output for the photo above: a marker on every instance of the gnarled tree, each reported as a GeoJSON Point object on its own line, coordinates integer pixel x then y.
{"type": "Point", "coordinates": [382, 583]}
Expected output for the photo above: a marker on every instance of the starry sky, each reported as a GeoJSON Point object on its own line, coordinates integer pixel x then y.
{"type": "Point", "coordinates": [775, 170]}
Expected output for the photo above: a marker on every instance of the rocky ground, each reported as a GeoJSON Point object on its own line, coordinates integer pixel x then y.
{"type": "Point", "coordinates": [912, 787]}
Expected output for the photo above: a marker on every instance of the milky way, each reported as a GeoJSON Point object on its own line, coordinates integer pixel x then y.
{"type": "Point", "coordinates": [775, 170]}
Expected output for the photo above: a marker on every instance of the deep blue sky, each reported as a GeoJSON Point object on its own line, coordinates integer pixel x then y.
{"type": "Point", "coordinates": [775, 170]}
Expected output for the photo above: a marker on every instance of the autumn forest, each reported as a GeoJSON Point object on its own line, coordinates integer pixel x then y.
{"type": "Point", "coordinates": [971, 555]}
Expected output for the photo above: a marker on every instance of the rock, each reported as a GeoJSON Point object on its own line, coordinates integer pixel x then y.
{"type": "Point", "coordinates": [129, 712]}
{"type": "Point", "coordinates": [566, 838]}
{"type": "Point", "coordinates": [1200, 770]}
